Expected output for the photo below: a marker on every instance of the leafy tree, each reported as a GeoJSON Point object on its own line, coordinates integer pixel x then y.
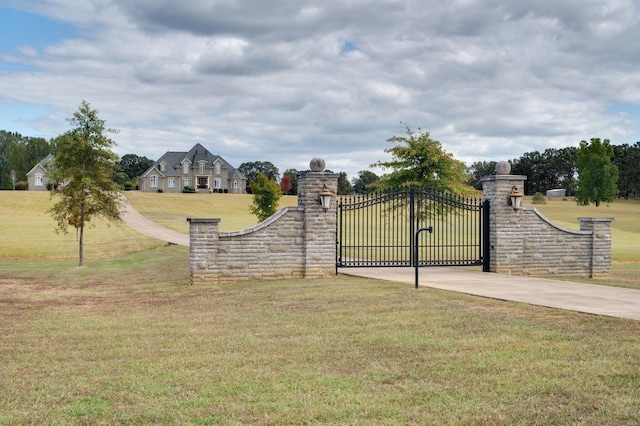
{"type": "Point", "coordinates": [293, 179]}
{"type": "Point", "coordinates": [266, 195]}
{"type": "Point", "coordinates": [85, 163]}
{"type": "Point", "coordinates": [597, 175]}
{"type": "Point", "coordinates": [344, 186]}
{"type": "Point", "coordinates": [627, 159]}
{"type": "Point", "coordinates": [20, 153]}
{"type": "Point", "coordinates": [563, 162]}
{"type": "Point", "coordinates": [285, 184]}
{"type": "Point", "coordinates": [417, 159]}
{"type": "Point", "coordinates": [478, 170]}
{"type": "Point", "coordinates": [133, 166]}
{"type": "Point", "coordinates": [365, 182]}
{"type": "Point", "coordinates": [553, 168]}
{"type": "Point", "coordinates": [251, 170]}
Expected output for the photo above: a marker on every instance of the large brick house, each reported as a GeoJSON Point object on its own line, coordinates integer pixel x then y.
{"type": "Point", "coordinates": [197, 168]}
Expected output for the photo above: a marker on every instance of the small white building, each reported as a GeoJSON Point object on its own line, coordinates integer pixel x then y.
{"type": "Point", "coordinates": [38, 176]}
{"type": "Point", "coordinates": [557, 192]}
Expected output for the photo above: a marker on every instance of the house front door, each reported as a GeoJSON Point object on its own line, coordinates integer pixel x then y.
{"type": "Point", "coordinates": [203, 182]}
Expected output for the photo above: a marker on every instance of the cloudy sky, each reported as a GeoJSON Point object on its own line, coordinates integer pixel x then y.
{"type": "Point", "coordinates": [288, 80]}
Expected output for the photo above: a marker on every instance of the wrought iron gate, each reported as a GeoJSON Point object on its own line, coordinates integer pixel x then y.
{"type": "Point", "coordinates": [381, 229]}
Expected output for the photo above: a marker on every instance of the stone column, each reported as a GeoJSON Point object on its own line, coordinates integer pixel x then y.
{"type": "Point", "coordinates": [600, 228]}
{"type": "Point", "coordinates": [319, 225]}
{"type": "Point", "coordinates": [203, 250]}
{"type": "Point", "coordinates": [505, 234]}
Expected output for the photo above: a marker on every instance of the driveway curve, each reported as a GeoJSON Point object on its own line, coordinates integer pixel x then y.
{"type": "Point", "coordinates": [136, 221]}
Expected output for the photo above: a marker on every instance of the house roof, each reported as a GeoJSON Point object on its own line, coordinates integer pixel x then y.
{"type": "Point", "coordinates": [42, 164]}
{"type": "Point", "coordinates": [195, 155]}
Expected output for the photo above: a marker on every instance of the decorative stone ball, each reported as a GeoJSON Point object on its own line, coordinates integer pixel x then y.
{"type": "Point", "coordinates": [503, 168]}
{"type": "Point", "coordinates": [316, 165]}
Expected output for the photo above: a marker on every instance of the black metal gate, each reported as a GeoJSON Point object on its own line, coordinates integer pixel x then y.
{"type": "Point", "coordinates": [382, 229]}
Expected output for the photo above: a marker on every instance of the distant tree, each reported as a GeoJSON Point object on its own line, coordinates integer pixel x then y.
{"type": "Point", "coordinates": [285, 184]}
{"type": "Point", "coordinates": [597, 175]}
{"type": "Point", "coordinates": [251, 170]}
{"type": "Point", "coordinates": [20, 153]}
{"type": "Point", "coordinates": [531, 166]}
{"type": "Point", "coordinates": [133, 166]}
{"type": "Point", "coordinates": [344, 186]}
{"type": "Point", "coordinates": [85, 163]}
{"type": "Point", "coordinates": [266, 195]}
{"type": "Point", "coordinates": [553, 168]}
{"type": "Point", "coordinates": [417, 159]}
{"type": "Point", "coordinates": [563, 165]}
{"type": "Point", "coordinates": [478, 170]}
{"type": "Point", "coordinates": [365, 182]}
{"type": "Point", "coordinates": [627, 159]}
{"type": "Point", "coordinates": [293, 178]}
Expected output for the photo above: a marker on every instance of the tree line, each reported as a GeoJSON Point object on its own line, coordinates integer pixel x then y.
{"type": "Point", "coordinates": [558, 169]}
{"type": "Point", "coordinates": [551, 169]}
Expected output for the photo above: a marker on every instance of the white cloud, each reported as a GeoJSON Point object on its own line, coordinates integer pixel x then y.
{"type": "Point", "coordinates": [287, 81]}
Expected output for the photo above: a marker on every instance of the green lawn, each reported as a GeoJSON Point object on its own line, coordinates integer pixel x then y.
{"type": "Point", "coordinates": [127, 341]}
{"type": "Point", "coordinates": [27, 231]}
{"type": "Point", "coordinates": [171, 210]}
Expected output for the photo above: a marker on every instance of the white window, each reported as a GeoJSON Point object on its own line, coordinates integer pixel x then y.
{"type": "Point", "coordinates": [236, 184]}
{"type": "Point", "coordinates": [171, 182]}
{"type": "Point", "coordinates": [39, 179]}
{"type": "Point", "coordinates": [185, 168]}
{"type": "Point", "coordinates": [153, 181]}
{"type": "Point", "coordinates": [185, 182]}
{"type": "Point", "coordinates": [202, 168]}
{"type": "Point", "coordinates": [217, 171]}
{"type": "Point", "coordinates": [163, 166]}
{"type": "Point", "coordinates": [217, 183]}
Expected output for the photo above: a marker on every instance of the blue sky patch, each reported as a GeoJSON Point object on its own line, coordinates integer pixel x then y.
{"type": "Point", "coordinates": [632, 110]}
{"type": "Point", "coordinates": [19, 28]}
{"type": "Point", "coordinates": [18, 117]}
{"type": "Point", "coordinates": [347, 47]}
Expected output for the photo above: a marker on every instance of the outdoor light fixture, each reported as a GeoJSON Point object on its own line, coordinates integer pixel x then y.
{"type": "Point", "coordinates": [515, 197]}
{"type": "Point", "coordinates": [325, 197]}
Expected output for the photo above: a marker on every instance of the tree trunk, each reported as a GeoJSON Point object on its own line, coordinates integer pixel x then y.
{"type": "Point", "coordinates": [81, 240]}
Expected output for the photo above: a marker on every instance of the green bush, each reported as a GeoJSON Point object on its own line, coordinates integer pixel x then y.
{"type": "Point", "coordinates": [538, 198]}
{"type": "Point", "coordinates": [189, 189]}
{"type": "Point", "coordinates": [127, 186]}
{"type": "Point", "coordinates": [22, 185]}
{"type": "Point", "coordinates": [226, 190]}
{"type": "Point", "coordinates": [160, 191]}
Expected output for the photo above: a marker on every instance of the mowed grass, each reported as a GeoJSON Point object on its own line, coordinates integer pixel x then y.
{"type": "Point", "coordinates": [172, 210]}
{"type": "Point", "coordinates": [127, 341]}
{"type": "Point", "coordinates": [27, 231]}
{"type": "Point", "coordinates": [625, 233]}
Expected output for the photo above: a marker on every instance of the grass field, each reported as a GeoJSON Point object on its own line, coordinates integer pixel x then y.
{"type": "Point", "coordinates": [126, 340]}
{"type": "Point", "coordinates": [171, 210]}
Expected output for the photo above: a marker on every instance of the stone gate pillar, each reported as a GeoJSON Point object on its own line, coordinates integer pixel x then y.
{"type": "Point", "coordinates": [600, 228]}
{"type": "Point", "coordinates": [319, 225]}
{"type": "Point", "coordinates": [505, 235]}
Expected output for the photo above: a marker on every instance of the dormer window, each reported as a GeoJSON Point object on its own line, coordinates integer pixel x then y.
{"type": "Point", "coordinates": [202, 168]}
{"type": "Point", "coordinates": [185, 168]}
{"type": "Point", "coordinates": [163, 167]}
{"type": "Point", "coordinates": [217, 168]}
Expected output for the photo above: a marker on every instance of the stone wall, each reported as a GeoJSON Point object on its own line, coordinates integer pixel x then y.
{"type": "Point", "coordinates": [524, 242]}
{"type": "Point", "coordinates": [300, 242]}
{"type": "Point", "coordinates": [296, 242]}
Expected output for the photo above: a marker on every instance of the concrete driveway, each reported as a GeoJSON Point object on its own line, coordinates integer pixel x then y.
{"type": "Point", "coordinates": [588, 298]}
{"type": "Point", "coordinates": [135, 220]}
